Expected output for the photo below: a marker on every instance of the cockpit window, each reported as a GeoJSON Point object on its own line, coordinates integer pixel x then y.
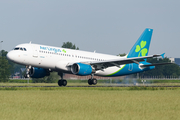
{"type": "Point", "coordinates": [19, 48]}
{"type": "Point", "coordinates": [16, 48]}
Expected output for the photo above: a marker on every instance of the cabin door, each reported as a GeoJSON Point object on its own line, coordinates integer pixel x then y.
{"type": "Point", "coordinates": [35, 51]}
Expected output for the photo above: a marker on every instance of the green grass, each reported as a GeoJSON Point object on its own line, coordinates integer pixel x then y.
{"type": "Point", "coordinates": [71, 83]}
{"type": "Point", "coordinates": [19, 81]}
{"type": "Point", "coordinates": [107, 103]}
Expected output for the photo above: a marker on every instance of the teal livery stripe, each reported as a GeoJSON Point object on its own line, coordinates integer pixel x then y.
{"type": "Point", "coordinates": [118, 70]}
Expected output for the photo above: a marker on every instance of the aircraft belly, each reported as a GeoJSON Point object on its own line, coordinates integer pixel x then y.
{"type": "Point", "coordinates": [62, 65]}
{"type": "Point", "coordinates": [107, 71]}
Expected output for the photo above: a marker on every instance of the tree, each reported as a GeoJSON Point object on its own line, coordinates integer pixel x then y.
{"type": "Point", "coordinates": [52, 78]}
{"type": "Point", "coordinates": [162, 70]}
{"type": "Point", "coordinates": [13, 67]}
{"type": "Point", "coordinates": [3, 53]}
{"type": "Point", "coordinates": [69, 45]}
{"type": "Point", "coordinates": [122, 55]}
{"type": "Point", "coordinates": [4, 69]}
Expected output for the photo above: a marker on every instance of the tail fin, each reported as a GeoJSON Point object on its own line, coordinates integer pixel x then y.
{"type": "Point", "coordinates": [141, 47]}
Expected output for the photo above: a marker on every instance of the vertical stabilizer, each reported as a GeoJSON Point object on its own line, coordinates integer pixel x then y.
{"type": "Point", "coordinates": [141, 47]}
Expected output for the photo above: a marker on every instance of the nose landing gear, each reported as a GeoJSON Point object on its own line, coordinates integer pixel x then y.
{"type": "Point", "coordinates": [27, 75]}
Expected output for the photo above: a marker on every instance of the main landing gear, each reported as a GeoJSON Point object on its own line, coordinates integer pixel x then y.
{"type": "Point", "coordinates": [92, 81]}
{"type": "Point", "coordinates": [62, 82]}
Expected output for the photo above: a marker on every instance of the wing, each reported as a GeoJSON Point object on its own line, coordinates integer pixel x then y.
{"type": "Point", "coordinates": [99, 65]}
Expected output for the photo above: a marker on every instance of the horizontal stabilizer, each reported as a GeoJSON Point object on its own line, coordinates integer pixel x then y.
{"type": "Point", "coordinates": [155, 64]}
{"type": "Point", "coordinates": [162, 55]}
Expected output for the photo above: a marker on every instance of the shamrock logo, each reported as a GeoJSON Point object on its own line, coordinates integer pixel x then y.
{"type": "Point", "coordinates": [64, 50]}
{"type": "Point", "coordinates": [142, 51]}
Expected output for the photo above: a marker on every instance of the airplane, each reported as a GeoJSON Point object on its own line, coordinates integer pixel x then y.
{"type": "Point", "coordinates": [40, 60]}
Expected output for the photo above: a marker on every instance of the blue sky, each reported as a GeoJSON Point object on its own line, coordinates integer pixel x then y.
{"type": "Point", "coordinates": [107, 26]}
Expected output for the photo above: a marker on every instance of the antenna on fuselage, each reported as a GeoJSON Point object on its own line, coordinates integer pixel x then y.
{"type": "Point", "coordinates": [95, 51]}
{"type": "Point", "coordinates": [30, 42]}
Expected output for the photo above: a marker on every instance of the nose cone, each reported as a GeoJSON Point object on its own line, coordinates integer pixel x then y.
{"type": "Point", "coordinates": [10, 56]}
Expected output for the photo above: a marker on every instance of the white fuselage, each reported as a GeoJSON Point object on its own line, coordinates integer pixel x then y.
{"type": "Point", "coordinates": [57, 59]}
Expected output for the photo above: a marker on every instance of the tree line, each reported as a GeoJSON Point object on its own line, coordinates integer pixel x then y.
{"type": "Point", "coordinates": [171, 70]}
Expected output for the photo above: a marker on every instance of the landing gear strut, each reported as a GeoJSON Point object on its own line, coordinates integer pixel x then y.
{"type": "Point", "coordinates": [62, 82]}
{"type": "Point", "coordinates": [92, 81]}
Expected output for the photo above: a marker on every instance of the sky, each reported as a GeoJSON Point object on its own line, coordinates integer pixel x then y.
{"type": "Point", "coordinates": [107, 26]}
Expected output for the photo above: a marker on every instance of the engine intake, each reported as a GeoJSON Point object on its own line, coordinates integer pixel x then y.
{"type": "Point", "coordinates": [81, 69]}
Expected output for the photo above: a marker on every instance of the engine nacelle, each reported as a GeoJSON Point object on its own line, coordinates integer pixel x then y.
{"type": "Point", "coordinates": [38, 72]}
{"type": "Point", "coordinates": [81, 69]}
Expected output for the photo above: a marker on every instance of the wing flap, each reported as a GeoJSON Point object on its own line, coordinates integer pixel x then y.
{"type": "Point", "coordinates": [155, 64]}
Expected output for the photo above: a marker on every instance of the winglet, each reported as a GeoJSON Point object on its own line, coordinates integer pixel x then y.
{"type": "Point", "coordinates": [162, 55]}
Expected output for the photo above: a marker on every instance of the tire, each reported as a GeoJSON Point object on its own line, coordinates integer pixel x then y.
{"type": "Point", "coordinates": [90, 82]}
{"type": "Point", "coordinates": [26, 75]}
{"type": "Point", "coordinates": [60, 82]}
{"type": "Point", "coordinates": [64, 82]}
{"type": "Point", "coordinates": [94, 81]}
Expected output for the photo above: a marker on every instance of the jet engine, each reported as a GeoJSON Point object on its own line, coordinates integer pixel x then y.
{"type": "Point", "coordinates": [81, 69]}
{"type": "Point", "coordinates": [38, 72]}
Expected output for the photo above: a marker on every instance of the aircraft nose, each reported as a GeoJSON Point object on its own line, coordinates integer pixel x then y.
{"type": "Point", "coordinates": [10, 56]}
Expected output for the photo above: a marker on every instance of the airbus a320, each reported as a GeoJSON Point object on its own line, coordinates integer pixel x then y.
{"type": "Point", "coordinates": [40, 60]}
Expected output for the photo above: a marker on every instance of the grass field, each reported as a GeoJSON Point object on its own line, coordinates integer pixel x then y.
{"type": "Point", "coordinates": [86, 84]}
{"type": "Point", "coordinates": [63, 103]}
{"type": "Point", "coordinates": [128, 82]}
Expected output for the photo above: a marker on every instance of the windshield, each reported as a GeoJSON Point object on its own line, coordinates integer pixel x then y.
{"type": "Point", "coordinates": [19, 48]}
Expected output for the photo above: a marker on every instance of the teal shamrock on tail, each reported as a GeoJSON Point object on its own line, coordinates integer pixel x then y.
{"type": "Point", "coordinates": [142, 51]}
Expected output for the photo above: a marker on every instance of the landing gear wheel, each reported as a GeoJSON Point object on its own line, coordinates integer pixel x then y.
{"type": "Point", "coordinates": [90, 82]}
{"type": "Point", "coordinates": [26, 75]}
{"type": "Point", "coordinates": [94, 81]}
{"type": "Point", "coordinates": [62, 82]}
